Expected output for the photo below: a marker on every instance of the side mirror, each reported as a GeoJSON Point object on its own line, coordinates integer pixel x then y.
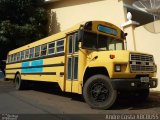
{"type": "Point", "coordinates": [80, 35]}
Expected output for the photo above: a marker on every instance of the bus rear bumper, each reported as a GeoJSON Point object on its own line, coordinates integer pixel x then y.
{"type": "Point", "coordinates": [134, 84]}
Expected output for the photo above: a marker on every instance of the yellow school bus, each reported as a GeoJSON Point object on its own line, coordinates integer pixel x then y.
{"type": "Point", "coordinates": [89, 59]}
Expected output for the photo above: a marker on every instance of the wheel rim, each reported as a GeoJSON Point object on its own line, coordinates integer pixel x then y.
{"type": "Point", "coordinates": [99, 92]}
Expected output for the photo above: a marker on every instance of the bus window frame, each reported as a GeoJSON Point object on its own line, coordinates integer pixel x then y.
{"type": "Point", "coordinates": [23, 55]}
{"type": "Point", "coordinates": [28, 54]}
{"type": "Point", "coordinates": [15, 57]}
{"type": "Point", "coordinates": [83, 47]}
{"type": "Point", "coordinates": [74, 59]}
{"type": "Point", "coordinates": [32, 53]}
{"type": "Point", "coordinates": [71, 68]}
{"type": "Point", "coordinates": [52, 48]}
{"type": "Point", "coordinates": [19, 58]}
{"type": "Point", "coordinates": [11, 58]}
{"type": "Point", "coordinates": [60, 45]}
{"type": "Point", "coordinates": [39, 55]}
{"type": "Point", "coordinates": [43, 50]}
{"type": "Point", "coordinates": [70, 45]}
{"type": "Point", "coordinates": [74, 43]}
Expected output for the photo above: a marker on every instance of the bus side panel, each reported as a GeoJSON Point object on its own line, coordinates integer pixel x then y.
{"type": "Point", "coordinates": [47, 70]}
{"type": "Point", "coordinates": [12, 69]}
{"type": "Point", "coordinates": [40, 77]}
{"type": "Point", "coordinates": [58, 67]}
{"type": "Point", "coordinates": [10, 76]}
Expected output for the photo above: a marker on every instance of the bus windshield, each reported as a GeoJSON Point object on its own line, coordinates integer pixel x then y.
{"type": "Point", "coordinates": [95, 41]}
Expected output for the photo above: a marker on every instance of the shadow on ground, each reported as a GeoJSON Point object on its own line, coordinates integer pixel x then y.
{"type": "Point", "coordinates": [127, 102]}
{"type": "Point", "coordinates": [53, 88]}
{"type": "Point", "coordinates": [123, 101]}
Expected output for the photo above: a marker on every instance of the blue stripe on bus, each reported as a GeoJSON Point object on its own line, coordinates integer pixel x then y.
{"type": "Point", "coordinates": [31, 64]}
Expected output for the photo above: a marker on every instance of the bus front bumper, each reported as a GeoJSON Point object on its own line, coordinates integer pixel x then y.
{"type": "Point", "coordinates": [134, 84]}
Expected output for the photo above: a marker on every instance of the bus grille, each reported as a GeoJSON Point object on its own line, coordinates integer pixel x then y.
{"type": "Point", "coordinates": [141, 63]}
{"type": "Point", "coordinates": [141, 57]}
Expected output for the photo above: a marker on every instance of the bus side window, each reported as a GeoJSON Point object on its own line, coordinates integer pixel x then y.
{"type": "Point", "coordinates": [18, 56]}
{"type": "Point", "coordinates": [70, 47]}
{"type": "Point", "coordinates": [60, 46]}
{"type": "Point", "coordinates": [15, 57]}
{"type": "Point", "coordinates": [75, 42]}
{"type": "Point", "coordinates": [51, 48]}
{"type": "Point", "coordinates": [75, 68]}
{"type": "Point", "coordinates": [31, 53]}
{"type": "Point", "coordinates": [27, 54]}
{"type": "Point", "coordinates": [12, 58]}
{"type": "Point", "coordinates": [69, 70]}
{"type": "Point", "coordinates": [44, 50]}
{"type": "Point", "coordinates": [22, 55]}
{"type": "Point", "coordinates": [37, 51]}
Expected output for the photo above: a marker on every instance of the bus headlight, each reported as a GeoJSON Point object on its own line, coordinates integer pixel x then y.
{"type": "Point", "coordinates": [117, 68]}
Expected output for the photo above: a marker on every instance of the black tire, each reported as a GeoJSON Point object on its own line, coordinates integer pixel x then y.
{"type": "Point", "coordinates": [99, 93]}
{"type": "Point", "coordinates": [19, 84]}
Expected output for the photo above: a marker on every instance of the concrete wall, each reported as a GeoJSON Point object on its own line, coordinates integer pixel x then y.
{"type": "Point", "coordinates": [66, 13]}
{"type": "Point", "coordinates": [147, 39]}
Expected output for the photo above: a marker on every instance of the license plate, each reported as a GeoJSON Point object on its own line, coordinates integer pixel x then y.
{"type": "Point", "coordinates": [144, 79]}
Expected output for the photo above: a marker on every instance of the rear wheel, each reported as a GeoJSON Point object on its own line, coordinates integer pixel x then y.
{"type": "Point", "coordinates": [99, 93]}
{"type": "Point", "coordinates": [19, 84]}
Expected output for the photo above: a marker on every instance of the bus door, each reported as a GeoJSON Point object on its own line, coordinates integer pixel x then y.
{"type": "Point", "coordinates": [72, 63]}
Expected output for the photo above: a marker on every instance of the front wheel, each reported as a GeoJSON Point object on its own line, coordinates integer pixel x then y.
{"type": "Point", "coordinates": [99, 93]}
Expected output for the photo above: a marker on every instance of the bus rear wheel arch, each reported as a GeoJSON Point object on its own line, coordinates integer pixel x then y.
{"type": "Point", "coordinates": [99, 93]}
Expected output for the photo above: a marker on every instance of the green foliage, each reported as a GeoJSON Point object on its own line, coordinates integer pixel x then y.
{"type": "Point", "coordinates": [21, 22]}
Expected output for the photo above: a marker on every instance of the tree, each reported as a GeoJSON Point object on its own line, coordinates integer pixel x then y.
{"type": "Point", "coordinates": [21, 22]}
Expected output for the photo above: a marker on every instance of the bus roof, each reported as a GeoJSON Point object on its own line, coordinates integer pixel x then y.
{"type": "Point", "coordinates": [56, 36]}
